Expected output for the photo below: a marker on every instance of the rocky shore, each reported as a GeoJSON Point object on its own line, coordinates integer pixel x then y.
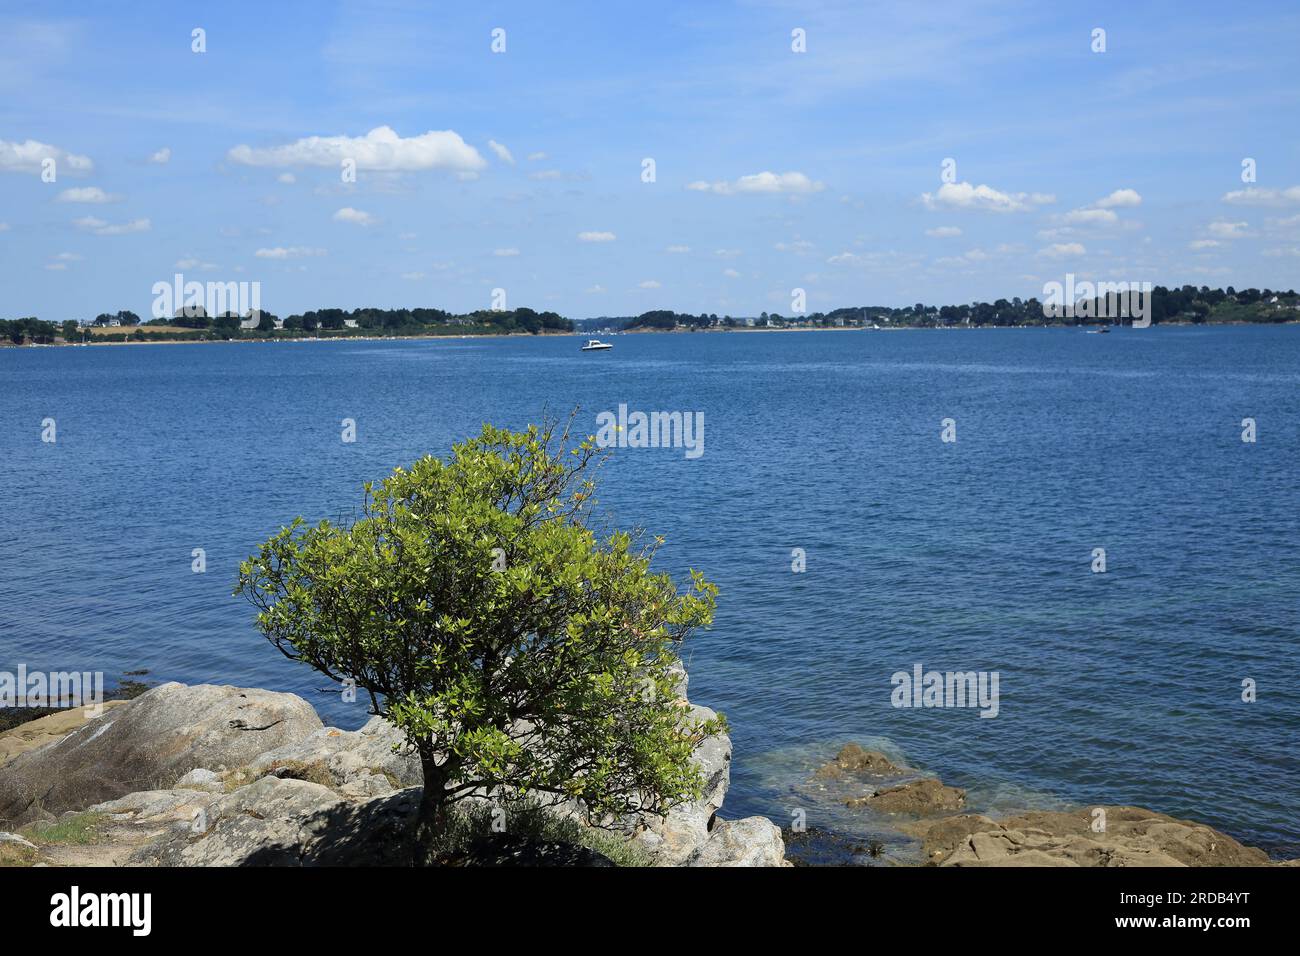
{"type": "Point", "coordinates": [913, 805]}
{"type": "Point", "coordinates": [224, 776]}
{"type": "Point", "coordinates": [211, 775]}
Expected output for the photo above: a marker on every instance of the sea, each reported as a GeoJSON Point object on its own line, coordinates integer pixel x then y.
{"type": "Point", "coordinates": [1106, 523]}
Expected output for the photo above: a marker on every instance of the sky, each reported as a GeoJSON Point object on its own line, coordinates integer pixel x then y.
{"type": "Point", "coordinates": [601, 159]}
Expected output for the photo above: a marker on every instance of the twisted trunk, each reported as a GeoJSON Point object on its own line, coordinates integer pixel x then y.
{"type": "Point", "coordinates": [431, 819]}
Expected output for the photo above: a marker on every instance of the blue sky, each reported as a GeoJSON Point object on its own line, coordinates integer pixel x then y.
{"type": "Point", "coordinates": [774, 170]}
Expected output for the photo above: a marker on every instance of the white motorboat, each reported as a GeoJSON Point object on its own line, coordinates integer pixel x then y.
{"type": "Point", "coordinates": [596, 345]}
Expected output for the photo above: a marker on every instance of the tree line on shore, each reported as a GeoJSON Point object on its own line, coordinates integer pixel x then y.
{"type": "Point", "coordinates": [1187, 304]}
{"type": "Point", "coordinates": [196, 325]}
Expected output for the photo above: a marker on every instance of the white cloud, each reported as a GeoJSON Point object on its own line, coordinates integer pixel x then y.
{"type": "Point", "coordinates": [1252, 196]}
{"type": "Point", "coordinates": [843, 257]}
{"type": "Point", "coordinates": [943, 232]}
{"type": "Point", "coordinates": [56, 266]}
{"type": "Point", "coordinates": [650, 284]}
{"type": "Point", "coordinates": [162, 157]}
{"type": "Point", "coordinates": [731, 273]}
{"type": "Point", "coordinates": [765, 182]}
{"type": "Point", "coordinates": [596, 290]}
{"type": "Point", "coordinates": [546, 175]}
{"type": "Point", "coordinates": [1120, 197]}
{"type": "Point", "coordinates": [503, 154]}
{"type": "Point", "coordinates": [678, 249]}
{"type": "Point", "coordinates": [1091, 216]}
{"type": "Point", "coordinates": [88, 194]}
{"type": "Point", "coordinates": [381, 149]}
{"type": "Point", "coordinates": [965, 196]}
{"type": "Point", "coordinates": [596, 237]}
{"type": "Point", "coordinates": [26, 157]}
{"type": "Point", "coordinates": [1227, 230]}
{"type": "Point", "coordinates": [287, 178]}
{"type": "Point", "coordinates": [1060, 250]}
{"type": "Point", "coordinates": [354, 216]}
{"type": "Point", "coordinates": [1204, 244]}
{"type": "Point", "coordinates": [290, 252]}
{"type": "Point", "coordinates": [101, 228]}
{"type": "Point", "coordinates": [536, 157]}
{"type": "Point", "coordinates": [190, 262]}
{"type": "Point", "coordinates": [505, 252]}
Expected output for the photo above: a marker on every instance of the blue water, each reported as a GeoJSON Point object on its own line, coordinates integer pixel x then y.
{"type": "Point", "coordinates": [1123, 687]}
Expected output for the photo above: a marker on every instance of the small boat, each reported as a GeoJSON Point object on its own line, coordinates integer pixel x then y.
{"type": "Point", "coordinates": [595, 345]}
{"type": "Point", "coordinates": [1104, 330]}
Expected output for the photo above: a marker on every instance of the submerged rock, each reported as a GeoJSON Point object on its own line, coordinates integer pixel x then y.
{"type": "Point", "coordinates": [149, 741]}
{"type": "Point", "coordinates": [852, 758]}
{"type": "Point", "coordinates": [920, 797]}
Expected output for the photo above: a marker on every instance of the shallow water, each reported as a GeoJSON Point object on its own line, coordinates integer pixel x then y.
{"type": "Point", "coordinates": [1123, 687]}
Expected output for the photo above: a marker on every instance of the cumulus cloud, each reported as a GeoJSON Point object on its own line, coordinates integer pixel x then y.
{"type": "Point", "coordinates": [162, 157]}
{"type": "Point", "coordinates": [26, 157]}
{"type": "Point", "coordinates": [505, 252]}
{"type": "Point", "coordinates": [596, 237]}
{"type": "Point", "coordinates": [1091, 216]}
{"type": "Point", "coordinates": [943, 232]}
{"type": "Point", "coordinates": [287, 178]}
{"type": "Point", "coordinates": [354, 216]}
{"type": "Point", "coordinates": [678, 249]}
{"type": "Point", "coordinates": [289, 252]}
{"type": "Point", "coordinates": [731, 273]}
{"type": "Point", "coordinates": [101, 228]}
{"type": "Point", "coordinates": [503, 154]}
{"type": "Point", "coordinates": [759, 183]}
{"type": "Point", "coordinates": [650, 284]}
{"type": "Point", "coordinates": [1252, 196]}
{"type": "Point", "coordinates": [1120, 197]}
{"type": "Point", "coordinates": [1204, 244]}
{"type": "Point", "coordinates": [88, 194]}
{"type": "Point", "coordinates": [191, 262]}
{"type": "Point", "coordinates": [965, 196]}
{"type": "Point", "coordinates": [1102, 212]}
{"type": "Point", "coordinates": [382, 149]}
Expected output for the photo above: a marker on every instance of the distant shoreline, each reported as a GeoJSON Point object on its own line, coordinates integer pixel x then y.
{"type": "Point", "coordinates": [636, 331]}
